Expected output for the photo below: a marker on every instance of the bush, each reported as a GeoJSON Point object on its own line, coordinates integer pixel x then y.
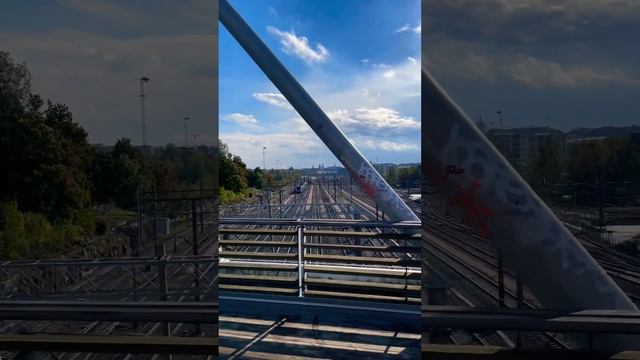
{"type": "Point", "coordinates": [230, 197]}
{"type": "Point", "coordinates": [13, 237]}
{"type": "Point", "coordinates": [65, 233]}
{"type": "Point", "coordinates": [39, 232]}
{"type": "Point", "coordinates": [85, 219]}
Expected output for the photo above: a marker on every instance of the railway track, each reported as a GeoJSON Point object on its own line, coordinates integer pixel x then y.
{"type": "Point", "coordinates": [473, 261]}
{"type": "Point", "coordinates": [109, 279]}
{"type": "Point", "coordinates": [317, 201]}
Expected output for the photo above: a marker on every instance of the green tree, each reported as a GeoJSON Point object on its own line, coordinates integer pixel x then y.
{"type": "Point", "coordinates": [256, 178]}
{"type": "Point", "coordinates": [13, 237]}
{"type": "Point", "coordinates": [49, 152]}
{"type": "Point", "coordinates": [233, 171]}
{"type": "Point", "coordinates": [549, 166]}
{"type": "Point", "coordinates": [392, 176]}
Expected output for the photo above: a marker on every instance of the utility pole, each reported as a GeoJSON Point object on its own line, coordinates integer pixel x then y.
{"type": "Point", "coordinates": [186, 132]}
{"type": "Point", "coordinates": [194, 139]}
{"type": "Point", "coordinates": [499, 112]}
{"type": "Point", "coordinates": [334, 190]}
{"type": "Point", "coordinates": [264, 161]}
{"type": "Point", "coordinates": [143, 80]}
{"type": "Point", "coordinates": [600, 209]}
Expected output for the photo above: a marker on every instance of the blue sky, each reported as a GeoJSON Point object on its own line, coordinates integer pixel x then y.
{"type": "Point", "coordinates": [358, 59]}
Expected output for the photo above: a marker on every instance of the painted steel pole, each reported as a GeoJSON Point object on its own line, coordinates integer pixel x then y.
{"type": "Point", "coordinates": [473, 175]}
{"type": "Point", "coordinates": [359, 168]}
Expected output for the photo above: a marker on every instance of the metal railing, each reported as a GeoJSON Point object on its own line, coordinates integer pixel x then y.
{"type": "Point", "coordinates": [590, 323]}
{"type": "Point", "coordinates": [82, 311]}
{"type": "Point", "coordinates": [119, 278]}
{"type": "Point", "coordinates": [373, 260]}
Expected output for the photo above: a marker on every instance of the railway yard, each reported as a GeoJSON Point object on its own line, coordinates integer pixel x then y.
{"type": "Point", "coordinates": [308, 271]}
{"type": "Point", "coordinates": [325, 245]}
{"type": "Point", "coordinates": [469, 264]}
{"type": "Point", "coordinates": [182, 275]}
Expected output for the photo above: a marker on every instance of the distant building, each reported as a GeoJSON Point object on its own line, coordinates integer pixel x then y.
{"type": "Point", "coordinates": [482, 126]}
{"type": "Point", "coordinates": [603, 132]}
{"type": "Point", "coordinates": [634, 138]}
{"type": "Point", "coordinates": [325, 171]}
{"type": "Point", "coordinates": [520, 145]}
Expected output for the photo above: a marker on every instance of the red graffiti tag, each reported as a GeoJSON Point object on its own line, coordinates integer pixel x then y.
{"type": "Point", "coordinates": [477, 213]}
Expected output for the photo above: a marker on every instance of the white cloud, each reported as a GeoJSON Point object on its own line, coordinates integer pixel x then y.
{"type": "Point", "coordinates": [288, 148]}
{"type": "Point", "coordinates": [404, 28]}
{"type": "Point", "coordinates": [407, 27]}
{"type": "Point", "coordinates": [383, 86]}
{"type": "Point", "coordinates": [392, 86]}
{"type": "Point", "coordinates": [375, 121]}
{"type": "Point", "coordinates": [386, 145]}
{"type": "Point", "coordinates": [246, 120]}
{"type": "Point", "coordinates": [273, 99]}
{"type": "Point", "coordinates": [378, 114]}
{"type": "Point", "coordinates": [299, 46]}
{"type": "Point", "coordinates": [459, 59]}
{"type": "Point", "coordinates": [544, 74]}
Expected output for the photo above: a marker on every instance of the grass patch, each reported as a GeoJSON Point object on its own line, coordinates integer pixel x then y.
{"type": "Point", "coordinates": [116, 215]}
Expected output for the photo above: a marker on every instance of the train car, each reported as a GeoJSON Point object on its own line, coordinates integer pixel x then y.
{"type": "Point", "coordinates": [298, 189]}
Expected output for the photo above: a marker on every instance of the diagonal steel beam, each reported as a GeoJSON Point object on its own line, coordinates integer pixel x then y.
{"type": "Point", "coordinates": [473, 175]}
{"type": "Point", "coordinates": [359, 168]}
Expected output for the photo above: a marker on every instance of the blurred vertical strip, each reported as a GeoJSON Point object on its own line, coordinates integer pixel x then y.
{"type": "Point", "coordinates": [502, 207]}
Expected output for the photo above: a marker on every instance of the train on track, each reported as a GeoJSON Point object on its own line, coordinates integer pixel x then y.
{"type": "Point", "coordinates": [298, 189]}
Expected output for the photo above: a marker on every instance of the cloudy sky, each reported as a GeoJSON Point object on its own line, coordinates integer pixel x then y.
{"type": "Point", "coordinates": [90, 55]}
{"type": "Point", "coordinates": [360, 61]}
{"type": "Point", "coordinates": [561, 63]}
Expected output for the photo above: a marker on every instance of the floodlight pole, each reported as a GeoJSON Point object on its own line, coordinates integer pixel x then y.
{"type": "Point", "coordinates": [359, 168]}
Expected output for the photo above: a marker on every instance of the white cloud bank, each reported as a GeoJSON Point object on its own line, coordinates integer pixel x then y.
{"type": "Point", "coordinates": [275, 99]}
{"type": "Point", "coordinates": [299, 46]}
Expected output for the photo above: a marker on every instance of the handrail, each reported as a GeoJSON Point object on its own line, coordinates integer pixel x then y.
{"type": "Point", "coordinates": [554, 320]}
{"type": "Point", "coordinates": [322, 222]}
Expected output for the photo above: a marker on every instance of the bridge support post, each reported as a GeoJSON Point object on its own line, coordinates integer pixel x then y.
{"type": "Point", "coordinates": [196, 250]}
{"type": "Point", "coordinates": [300, 260]}
{"type": "Point", "coordinates": [164, 288]}
{"type": "Point", "coordinates": [520, 305]}
{"type": "Point", "coordinates": [135, 251]}
{"type": "Point", "coordinates": [437, 289]}
{"type": "Point", "coordinates": [500, 281]}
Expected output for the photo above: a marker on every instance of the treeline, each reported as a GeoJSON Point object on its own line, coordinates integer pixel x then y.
{"type": "Point", "coordinates": [405, 176]}
{"type": "Point", "coordinates": [236, 180]}
{"type": "Point", "coordinates": [52, 177]}
{"type": "Point", "coordinates": [580, 171]}
{"type": "Point", "coordinates": [45, 186]}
